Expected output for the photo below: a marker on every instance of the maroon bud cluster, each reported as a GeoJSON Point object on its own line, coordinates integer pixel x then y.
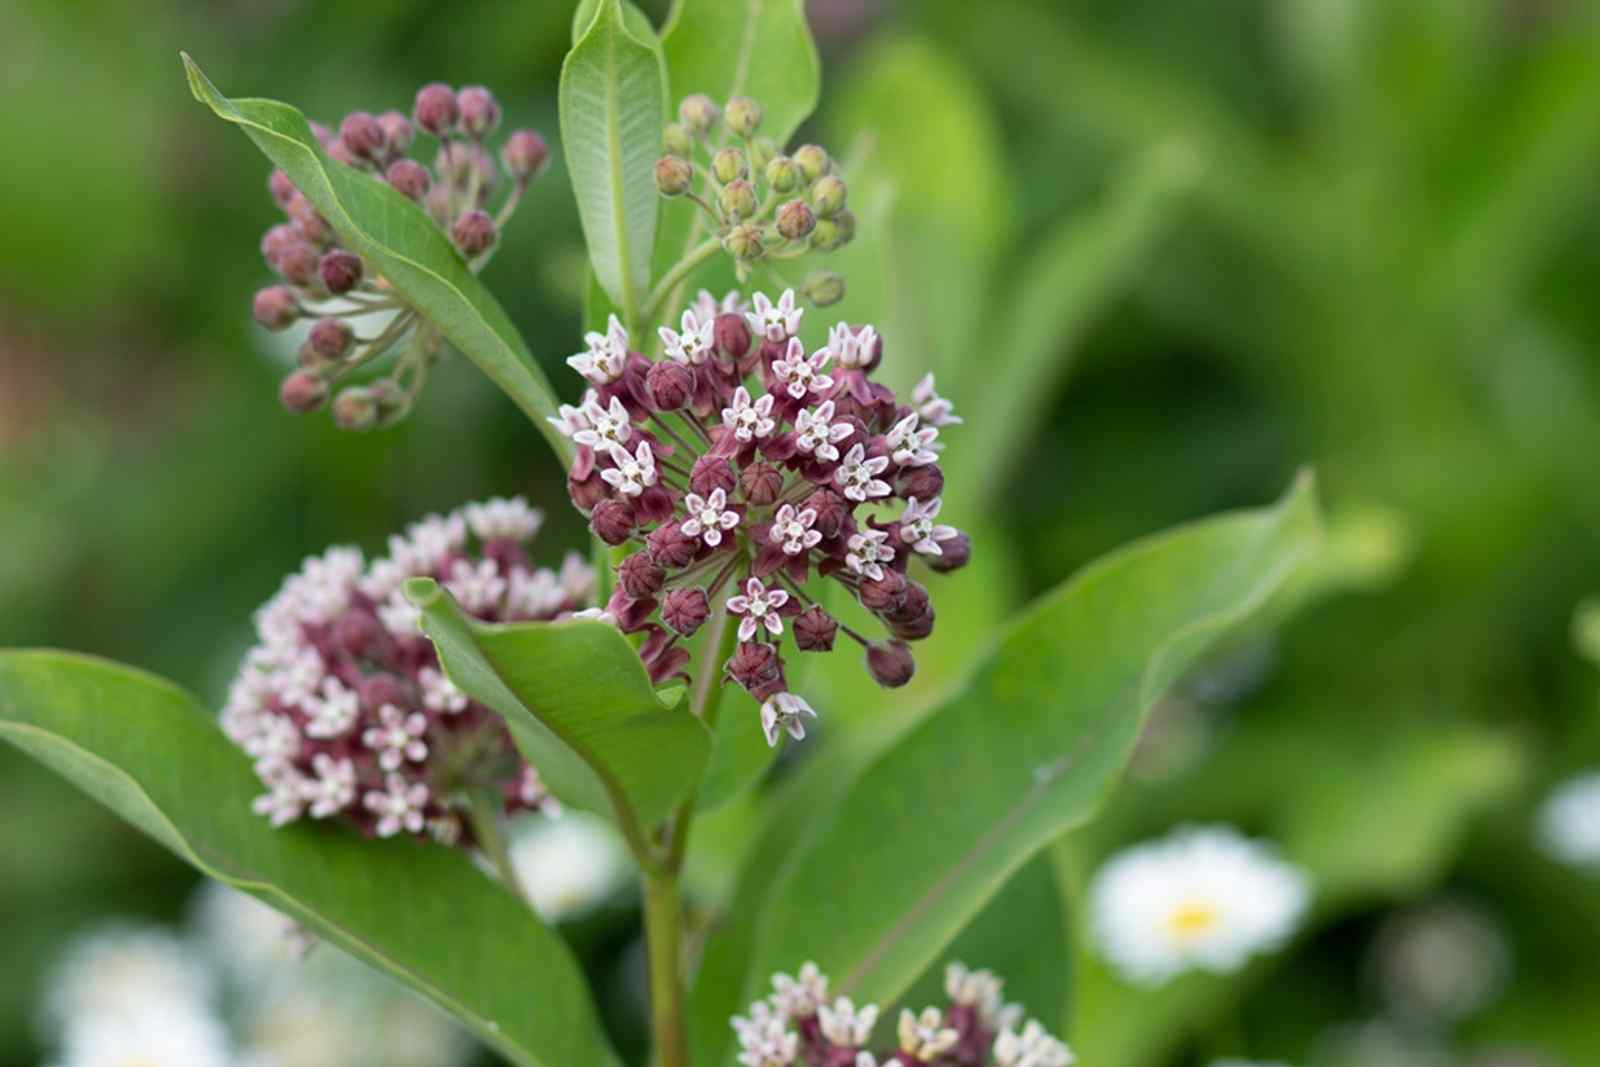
{"type": "Point", "coordinates": [323, 281]}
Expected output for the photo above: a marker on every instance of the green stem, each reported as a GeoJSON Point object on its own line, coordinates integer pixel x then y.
{"type": "Point", "coordinates": [483, 811]}
{"type": "Point", "coordinates": [696, 256]}
{"type": "Point", "coordinates": [663, 927]}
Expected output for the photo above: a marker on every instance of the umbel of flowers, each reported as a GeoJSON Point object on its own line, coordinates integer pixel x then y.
{"type": "Point", "coordinates": [339, 291]}
{"type": "Point", "coordinates": [741, 466]}
{"type": "Point", "coordinates": [342, 704]}
{"type": "Point", "coordinates": [798, 1024]}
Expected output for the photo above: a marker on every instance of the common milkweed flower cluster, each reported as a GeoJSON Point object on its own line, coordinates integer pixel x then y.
{"type": "Point", "coordinates": [334, 287]}
{"type": "Point", "coordinates": [1204, 898]}
{"type": "Point", "coordinates": [740, 466]}
{"type": "Point", "coordinates": [799, 1024]}
{"type": "Point", "coordinates": [343, 705]}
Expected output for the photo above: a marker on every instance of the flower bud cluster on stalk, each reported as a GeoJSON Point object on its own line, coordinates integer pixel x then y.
{"type": "Point", "coordinates": [469, 192]}
{"type": "Point", "coordinates": [739, 466]}
{"type": "Point", "coordinates": [763, 205]}
{"type": "Point", "coordinates": [343, 704]}
{"type": "Point", "coordinates": [798, 1025]}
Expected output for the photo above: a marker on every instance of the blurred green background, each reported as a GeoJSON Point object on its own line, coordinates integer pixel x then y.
{"type": "Point", "coordinates": [1357, 234]}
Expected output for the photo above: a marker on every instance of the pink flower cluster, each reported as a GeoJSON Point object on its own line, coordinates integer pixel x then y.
{"type": "Point", "coordinates": [342, 704]}
{"type": "Point", "coordinates": [742, 466]}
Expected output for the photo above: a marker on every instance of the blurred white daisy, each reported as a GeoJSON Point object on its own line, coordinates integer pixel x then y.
{"type": "Point", "coordinates": [1203, 898]}
{"type": "Point", "coordinates": [1569, 822]}
{"type": "Point", "coordinates": [570, 865]}
{"type": "Point", "coordinates": [182, 1035]}
{"type": "Point", "coordinates": [242, 937]}
{"type": "Point", "coordinates": [123, 971]}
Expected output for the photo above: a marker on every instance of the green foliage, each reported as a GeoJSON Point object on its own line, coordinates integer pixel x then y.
{"type": "Point", "coordinates": [756, 48]}
{"type": "Point", "coordinates": [152, 754]}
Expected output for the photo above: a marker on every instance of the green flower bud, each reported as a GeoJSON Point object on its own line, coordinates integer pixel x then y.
{"type": "Point", "coordinates": [729, 164]}
{"type": "Point", "coordinates": [783, 174]}
{"type": "Point", "coordinates": [828, 195]}
{"type": "Point", "coordinates": [676, 140]}
{"type": "Point", "coordinates": [795, 220]}
{"type": "Point", "coordinates": [744, 242]}
{"type": "Point", "coordinates": [674, 175]}
{"type": "Point", "coordinates": [833, 233]}
{"type": "Point", "coordinates": [744, 116]}
{"type": "Point", "coordinates": [699, 113]}
{"type": "Point", "coordinates": [763, 150]}
{"type": "Point", "coordinates": [823, 287]}
{"type": "Point", "coordinates": [813, 160]}
{"type": "Point", "coordinates": [737, 199]}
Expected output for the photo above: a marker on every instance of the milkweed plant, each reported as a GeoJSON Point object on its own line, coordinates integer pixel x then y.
{"type": "Point", "coordinates": [779, 572]}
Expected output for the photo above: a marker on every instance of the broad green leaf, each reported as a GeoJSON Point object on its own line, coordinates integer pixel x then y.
{"type": "Point", "coordinates": [580, 706]}
{"type": "Point", "coordinates": [613, 106]}
{"type": "Point", "coordinates": [1034, 743]}
{"type": "Point", "coordinates": [396, 236]}
{"type": "Point", "coordinates": [756, 48]}
{"type": "Point", "coordinates": [423, 913]}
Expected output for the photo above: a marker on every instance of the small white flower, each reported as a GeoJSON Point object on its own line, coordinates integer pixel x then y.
{"type": "Point", "coordinates": [707, 307]}
{"type": "Point", "coordinates": [976, 989]}
{"type": "Point", "coordinates": [274, 740]}
{"type": "Point", "coordinates": [918, 529]}
{"type": "Point", "coordinates": [399, 616]}
{"type": "Point", "coordinates": [749, 420]}
{"type": "Point", "coordinates": [780, 713]}
{"type": "Point", "coordinates": [868, 551]}
{"type": "Point", "coordinates": [708, 516]}
{"type": "Point", "coordinates": [118, 971]}
{"type": "Point", "coordinates": [934, 409]}
{"type": "Point", "coordinates": [693, 344]}
{"type": "Point", "coordinates": [1569, 822]}
{"type": "Point", "coordinates": [758, 606]}
{"type": "Point", "coordinates": [846, 1025]}
{"type": "Point", "coordinates": [1034, 1047]}
{"type": "Point", "coordinates": [333, 711]}
{"type": "Point", "coordinates": [333, 788]}
{"type": "Point", "coordinates": [596, 615]}
{"type": "Point", "coordinates": [499, 519]}
{"type": "Point", "coordinates": [857, 477]}
{"type": "Point", "coordinates": [531, 791]}
{"type": "Point", "coordinates": [633, 474]}
{"type": "Point", "coordinates": [778, 321]}
{"type": "Point", "coordinates": [852, 350]}
{"type": "Point", "coordinates": [570, 421]}
{"type": "Point", "coordinates": [801, 374]}
{"type": "Point", "coordinates": [607, 355]}
{"type": "Point", "coordinates": [866, 1059]}
{"type": "Point", "coordinates": [768, 1045]}
{"type": "Point", "coordinates": [433, 540]}
{"type": "Point", "coordinates": [800, 996]}
{"type": "Point", "coordinates": [397, 737]}
{"type": "Point", "coordinates": [816, 432]}
{"type": "Point", "coordinates": [576, 577]}
{"type": "Point", "coordinates": [398, 806]}
{"type": "Point", "coordinates": [170, 1035]}
{"type": "Point", "coordinates": [791, 529]}
{"type": "Point", "coordinates": [1204, 897]}
{"type": "Point", "coordinates": [912, 445]}
{"type": "Point", "coordinates": [569, 866]}
{"type": "Point", "coordinates": [285, 798]}
{"type": "Point", "coordinates": [478, 586]}
{"type": "Point", "coordinates": [610, 425]}
{"type": "Point", "coordinates": [535, 594]}
{"type": "Point", "coordinates": [925, 1036]}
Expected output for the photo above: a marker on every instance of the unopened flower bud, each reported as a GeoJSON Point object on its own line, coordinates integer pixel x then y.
{"type": "Point", "coordinates": [709, 474]}
{"type": "Point", "coordinates": [410, 177]}
{"type": "Point", "coordinates": [397, 131]}
{"type": "Point", "coordinates": [473, 233]}
{"type": "Point", "coordinates": [524, 154]}
{"type": "Point", "coordinates": [737, 199]}
{"type": "Point", "coordinates": [883, 594]}
{"type": "Point", "coordinates": [675, 140]}
{"type": "Point", "coordinates": [813, 161]}
{"type": "Point", "coordinates": [435, 109]}
{"type": "Point", "coordinates": [330, 338]}
{"type": "Point", "coordinates": [275, 307]}
{"type": "Point", "coordinates": [953, 554]}
{"type": "Point", "coordinates": [340, 152]}
{"type": "Point", "coordinates": [924, 483]}
{"type": "Point", "coordinates": [282, 189]}
{"type": "Point", "coordinates": [761, 483]}
{"type": "Point", "coordinates": [312, 226]}
{"type": "Point", "coordinates": [833, 233]}
{"type": "Point", "coordinates": [744, 242]}
{"type": "Point", "coordinates": [340, 271]}
{"type": "Point", "coordinates": [913, 619]}
{"type": "Point", "coordinates": [795, 220]}
{"type": "Point", "coordinates": [361, 135]}
{"type": "Point", "coordinates": [438, 203]}
{"type": "Point", "coordinates": [480, 111]}
{"type": "Point", "coordinates": [612, 521]}
{"type": "Point", "coordinates": [732, 336]}
{"type": "Point", "coordinates": [783, 174]}
{"type": "Point", "coordinates": [823, 288]}
{"type": "Point", "coordinates": [728, 165]}
{"type": "Point", "coordinates": [586, 492]}
{"type": "Point", "coordinates": [359, 632]}
{"type": "Point", "coordinates": [699, 113]}
{"type": "Point", "coordinates": [685, 610]}
{"type": "Point", "coordinates": [298, 262]}
{"type": "Point", "coordinates": [674, 175]}
{"type": "Point", "coordinates": [743, 115]}
{"type": "Point", "coordinates": [355, 409]}
{"type": "Point", "coordinates": [831, 509]}
{"type": "Point", "coordinates": [814, 630]}
{"type": "Point", "coordinates": [640, 576]}
{"type": "Point", "coordinates": [890, 663]}
{"type": "Point", "coordinates": [303, 391]}
{"type": "Point", "coordinates": [828, 195]}
{"type": "Point", "coordinates": [381, 689]}
{"type": "Point", "coordinates": [763, 150]}
{"type": "Point", "coordinates": [757, 667]}
{"type": "Point", "coordinates": [669, 384]}
{"type": "Point", "coordinates": [669, 546]}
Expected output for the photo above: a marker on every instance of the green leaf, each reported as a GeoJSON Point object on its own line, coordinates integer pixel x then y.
{"type": "Point", "coordinates": [756, 48]}
{"type": "Point", "coordinates": [422, 913]}
{"type": "Point", "coordinates": [396, 237]}
{"type": "Point", "coordinates": [580, 706]}
{"type": "Point", "coordinates": [613, 106]}
{"type": "Point", "coordinates": [1035, 741]}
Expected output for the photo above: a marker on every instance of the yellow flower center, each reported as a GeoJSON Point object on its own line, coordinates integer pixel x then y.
{"type": "Point", "coordinates": [1193, 919]}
